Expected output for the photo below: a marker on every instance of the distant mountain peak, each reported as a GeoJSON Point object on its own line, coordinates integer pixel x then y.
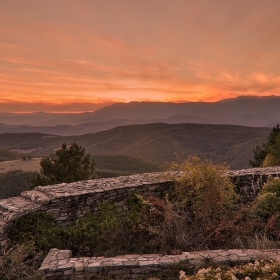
{"type": "Point", "coordinates": [252, 97]}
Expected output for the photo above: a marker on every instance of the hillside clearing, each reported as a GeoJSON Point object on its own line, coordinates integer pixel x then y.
{"type": "Point", "coordinates": [19, 164]}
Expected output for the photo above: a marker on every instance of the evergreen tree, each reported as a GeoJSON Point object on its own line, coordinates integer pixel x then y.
{"type": "Point", "coordinates": [69, 165]}
{"type": "Point", "coordinates": [260, 153]}
{"type": "Point", "coordinates": [269, 153]}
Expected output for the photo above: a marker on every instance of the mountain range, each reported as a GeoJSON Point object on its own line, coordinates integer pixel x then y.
{"type": "Point", "coordinates": [246, 111]}
{"type": "Point", "coordinates": [156, 132]}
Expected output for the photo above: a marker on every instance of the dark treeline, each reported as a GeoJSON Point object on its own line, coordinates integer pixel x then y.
{"type": "Point", "coordinates": [9, 155]}
{"type": "Point", "coordinates": [14, 182]}
{"type": "Point", "coordinates": [118, 165]}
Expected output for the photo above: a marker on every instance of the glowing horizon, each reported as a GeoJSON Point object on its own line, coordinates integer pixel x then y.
{"type": "Point", "coordinates": [76, 56]}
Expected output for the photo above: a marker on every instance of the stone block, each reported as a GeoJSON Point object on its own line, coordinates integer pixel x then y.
{"type": "Point", "coordinates": [131, 263]}
{"type": "Point", "coordinates": [225, 253]}
{"type": "Point", "coordinates": [15, 216]}
{"type": "Point", "coordinates": [165, 261]}
{"type": "Point", "coordinates": [221, 259]}
{"type": "Point", "coordinates": [51, 258]}
{"type": "Point", "coordinates": [79, 266]}
{"type": "Point", "coordinates": [62, 262]}
{"type": "Point", "coordinates": [67, 266]}
{"type": "Point", "coordinates": [44, 268]}
{"type": "Point", "coordinates": [108, 264]}
{"type": "Point", "coordinates": [94, 267]}
{"type": "Point", "coordinates": [89, 201]}
{"type": "Point", "coordinates": [146, 263]}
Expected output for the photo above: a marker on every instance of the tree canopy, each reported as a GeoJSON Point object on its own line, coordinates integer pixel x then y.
{"type": "Point", "coordinates": [70, 165]}
{"type": "Point", "coordinates": [269, 153]}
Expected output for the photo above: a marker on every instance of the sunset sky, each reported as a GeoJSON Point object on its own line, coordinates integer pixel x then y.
{"type": "Point", "coordinates": [79, 55]}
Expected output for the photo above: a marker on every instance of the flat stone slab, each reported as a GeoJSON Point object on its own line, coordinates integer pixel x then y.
{"type": "Point", "coordinates": [36, 196]}
{"type": "Point", "coordinates": [17, 204]}
{"type": "Point", "coordinates": [255, 171]}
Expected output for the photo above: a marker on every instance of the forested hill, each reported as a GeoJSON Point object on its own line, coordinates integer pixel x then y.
{"type": "Point", "coordinates": [153, 142]}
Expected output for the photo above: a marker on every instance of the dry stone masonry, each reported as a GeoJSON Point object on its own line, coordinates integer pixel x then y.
{"type": "Point", "coordinates": [248, 182]}
{"type": "Point", "coordinates": [70, 201]}
{"type": "Point", "coordinates": [60, 265]}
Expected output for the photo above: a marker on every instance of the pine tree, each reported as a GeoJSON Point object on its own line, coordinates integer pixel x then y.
{"type": "Point", "coordinates": [269, 153]}
{"type": "Point", "coordinates": [69, 165]}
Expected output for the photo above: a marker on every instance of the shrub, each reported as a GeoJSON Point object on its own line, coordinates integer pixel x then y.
{"type": "Point", "coordinates": [267, 204]}
{"type": "Point", "coordinates": [258, 270]}
{"type": "Point", "coordinates": [94, 231]}
{"type": "Point", "coordinates": [203, 188]}
{"type": "Point", "coordinates": [204, 197]}
{"type": "Point", "coordinates": [272, 186]}
{"type": "Point", "coordinates": [37, 227]}
{"type": "Point", "coordinates": [21, 261]}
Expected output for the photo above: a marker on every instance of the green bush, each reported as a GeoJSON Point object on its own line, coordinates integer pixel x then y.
{"type": "Point", "coordinates": [37, 227]}
{"type": "Point", "coordinates": [267, 204]}
{"type": "Point", "coordinates": [137, 208]}
{"type": "Point", "coordinates": [272, 186]}
{"type": "Point", "coordinates": [29, 240]}
{"type": "Point", "coordinates": [202, 189]}
{"type": "Point", "coordinates": [95, 231]}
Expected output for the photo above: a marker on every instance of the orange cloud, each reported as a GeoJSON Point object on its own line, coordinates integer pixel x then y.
{"type": "Point", "coordinates": [95, 52]}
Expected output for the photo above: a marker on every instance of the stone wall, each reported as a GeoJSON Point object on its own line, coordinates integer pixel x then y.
{"type": "Point", "coordinates": [249, 182]}
{"type": "Point", "coordinates": [60, 265]}
{"type": "Point", "coordinates": [70, 201]}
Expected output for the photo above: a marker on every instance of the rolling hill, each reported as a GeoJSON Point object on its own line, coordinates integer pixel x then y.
{"type": "Point", "coordinates": [156, 143]}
